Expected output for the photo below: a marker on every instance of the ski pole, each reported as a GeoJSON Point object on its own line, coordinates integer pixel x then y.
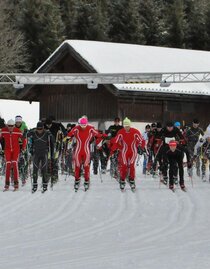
{"type": "Point", "coordinates": [191, 179]}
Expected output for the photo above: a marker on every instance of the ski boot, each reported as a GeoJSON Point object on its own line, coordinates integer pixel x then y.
{"type": "Point", "coordinates": [171, 187]}
{"type": "Point", "coordinates": [165, 180]}
{"type": "Point", "coordinates": [132, 185]}
{"type": "Point", "coordinates": [175, 180]}
{"type": "Point", "coordinates": [6, 188]}
{"type": "Point", "coordinates": [183, 188]}
{"type": "Point", "coordinates": [16, 186]}
{"type": "Point", "coordinates": [44, 190]}
{"type": "Point", "coordinates": [76, 185]}
{"type": "Point", "coordinates": [33, 190]}
{"type": "Point", "coordinates": [44, 187]}
{"type": "Point", "coordinates": [103, 171]}
{"type": "Point", "coordinates": [23, 182]}
{"type": "Point", "coordinates": [203, 178]}
{"type": "Point", "coordinates": [86, 185]}
{"type": "Point", "coordinates": [122, 185]}
{"type": "Point", "coordinates": [198, 173]}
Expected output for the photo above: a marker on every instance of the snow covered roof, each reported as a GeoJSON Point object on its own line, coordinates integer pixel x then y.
{"type": "Point", "coordinates": [106, 57]}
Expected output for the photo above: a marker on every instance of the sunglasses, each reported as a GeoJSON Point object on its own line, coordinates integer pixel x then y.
{"type": "Point", "coordinates": [10, 125]}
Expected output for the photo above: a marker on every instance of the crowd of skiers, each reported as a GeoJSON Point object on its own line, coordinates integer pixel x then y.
{"type": "Point", "coordinates": [50, 147]}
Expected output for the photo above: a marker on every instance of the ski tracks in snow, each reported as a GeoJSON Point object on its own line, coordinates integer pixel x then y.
{"type": "Point", "coordinates": [104, 228]}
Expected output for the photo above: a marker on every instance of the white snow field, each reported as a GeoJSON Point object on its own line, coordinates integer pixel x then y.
{"type": "Point", "coordinates": [103, 228]}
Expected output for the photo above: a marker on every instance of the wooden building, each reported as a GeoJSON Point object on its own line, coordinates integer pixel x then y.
{"type": "Point", "coordinates": [140, 102]}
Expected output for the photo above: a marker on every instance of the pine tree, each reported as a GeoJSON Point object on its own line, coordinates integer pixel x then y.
{"type": "Point", "coordinates": [177, 24]}
{"type": "Point", "coordinates": [207, 47]}
{"type": "Point", "coordinates": [151, 21]}
{"type": "Point", "coordinates": [124, 22]}
{"type": "Point", "coordinates": [43, 29]}
{"type": "Point", "coordinates": [69, 16]}
{"type": "Point", "coordinates": [197, 32]}
{"type": "Point", "coordinates": [13, 53]}
{"type": "Point", "coordinates": [91, 21]}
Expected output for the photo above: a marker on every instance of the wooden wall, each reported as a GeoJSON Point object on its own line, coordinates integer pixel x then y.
{"type": "Point", "coordinates": [68, 103]}
{"type": "Point", "coordinates": [150, 110]}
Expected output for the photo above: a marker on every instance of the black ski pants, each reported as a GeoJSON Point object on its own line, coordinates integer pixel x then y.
{"type": "Point", "coordinates": [174, 164]}
{"type": "Point", "coordinates": [40, 160]}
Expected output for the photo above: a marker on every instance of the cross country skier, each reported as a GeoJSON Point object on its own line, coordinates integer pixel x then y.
{"type": "Point", "coordinates": [112, 132]}
{"type": "Point", "coordinates": [2, 125]}
{"type": "Point", "coordinates": [58, 131]}
{"type": "Point", "coordinates": [100, 155]}
{"type": "Point", "coordinates": [127, 141]}
{"type": "Point", "coordinates": [146, 138]}
{"type": "Point", "coordinates": [192, 135]}
{"type": "Point", "coordinates": [83, 133]}
{"type": "Point", "coordinates": [41, 145]}
{"type": "Point", "coordinates": [202, 150]}
{"type": "Point", "coordinates": [67, 152]}
{"type": "Point", "coordinates": [23, 157]}
{"type": "Point", "coordinates": [155, 143]}
{"type": "Point", "coordinates": [150, 151]}
{"type": "Point", "coordinates": [11, 136]}
{"type": "Point", "coordinates": [170, 132]}
{"type": "Point", "coordinates": [113, 129]}
{"type": "Point", "coordinates": [172, 155]}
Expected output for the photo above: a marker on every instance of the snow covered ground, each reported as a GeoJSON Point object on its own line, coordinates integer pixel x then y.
{"type": "Point", "coordinates": [105, 228]}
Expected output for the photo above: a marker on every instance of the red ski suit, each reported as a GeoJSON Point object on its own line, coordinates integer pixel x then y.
{"type": "Point", "coordinates": [11, 151]}
{"type": "Point", "coordinates": [83, 137]}
{"type": "Point", "coordinates": [127, 143]}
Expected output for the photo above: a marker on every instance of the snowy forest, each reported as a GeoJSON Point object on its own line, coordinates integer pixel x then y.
{"type": "Point", "coordinates": [32, 29]}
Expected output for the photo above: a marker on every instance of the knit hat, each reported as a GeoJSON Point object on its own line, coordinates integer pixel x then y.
{"type": "Point", "coordinates": [83, 121]}
{"type": "Point", "coordinates": [18, 119]}
{"type": "Point", "coordinates": [172, 143]}
{"type": "Point", "coordinates": [40, 125]}
{"type": "Point", "coordinates": [169, 124]}
{"type": "Point", "coordinates": [177, 124]}
{"type": "Point", "coordinates": [11, 122]}
{"type": "Point", "coordinates": [48, 121]}
{"type": "Point", "coordinates": [126, 122]}
{"type": "Point", "coordinates": [196, 121]}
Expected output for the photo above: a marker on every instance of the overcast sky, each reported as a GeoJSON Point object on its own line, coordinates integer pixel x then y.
{"type": "Point", "coordinates": [29, 112]}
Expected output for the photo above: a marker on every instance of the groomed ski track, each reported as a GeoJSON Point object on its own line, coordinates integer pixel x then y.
{"type": "Point", "coordinates": [105, 228]}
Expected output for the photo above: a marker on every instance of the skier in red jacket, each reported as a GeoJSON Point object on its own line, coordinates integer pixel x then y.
{"type": "Point", "coordinates": [84, 134]}
{"type": "Point", "coordinates": [127, 141]}
{"type": "Point", "coordinates": [12, 136]}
